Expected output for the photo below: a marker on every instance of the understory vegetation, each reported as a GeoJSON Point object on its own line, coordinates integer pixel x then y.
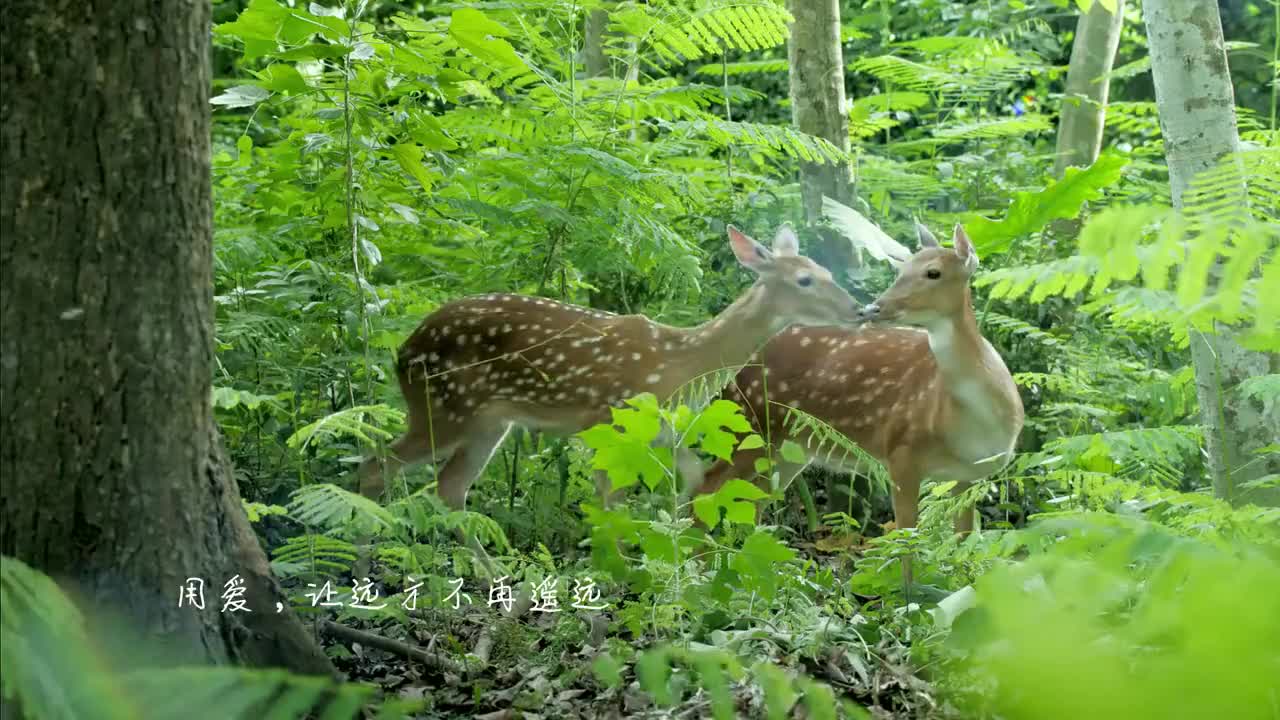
{"type": "Point", "coordinates": [375, 160]}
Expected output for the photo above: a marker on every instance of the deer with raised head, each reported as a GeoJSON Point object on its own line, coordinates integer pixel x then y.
{"type": "Point", "coordinates": [930, 400]}
{"type": "Point", "coordinates": [479, 365]}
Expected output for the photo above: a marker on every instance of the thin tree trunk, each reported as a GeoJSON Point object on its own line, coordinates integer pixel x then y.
{"type": "Point", "coordinates": [1085, 105]}
{"type": "Point", "coordinates": [816, 60]}
{"type": "Point", "coordinates": [1198, 123]}
{"type": "Point", "coordinates": [116, 484]}
{"type": "Point", "coordinates": [597, 25]}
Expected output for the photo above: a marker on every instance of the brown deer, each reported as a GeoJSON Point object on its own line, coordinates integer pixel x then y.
{"type": "Point", "coordinates": [478, 365]}
{"type": "Point", "coordinates": [933, 400]}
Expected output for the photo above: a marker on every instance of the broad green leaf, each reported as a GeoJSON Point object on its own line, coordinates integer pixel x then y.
{"type": "Point", "coordinates": [283, 77]}
{"type": "Point", "coordinates": [820, 702]}
{"type": "Point", "coordinates": [241, 96]}
{"type": "Point", "coordinates": [313, 51]}
{"type": "Point", "coordinates": [265, 24]}
{"type": "Point", "coordinates": [737, 497]}
{"type": "Point", "coordinates": [779, 695]}
{"type": "Point", "coordinates": [751, 442]}
{"type": "Point", "coordinates": [482, 37]}
{"type": "Point", "coordinates": [607, 670]}
{"type": "Point", "coordinates": [428, 131]}
{"type": "Point", "coordinates": [756, 562]}
{"type": "Point", "coordinates": [653, 670]}
{"type": "Point", "coordinates": [626, 454]}
{"type": "Point", "coordinates": [707, 429]}
{"type": "Point", "coordinates": [793, 453]}
{"type": "Point", "coordinates": [410, 158]}
{"type": "Point", "coordinates": [1031, 212]}
{"type": "Point", "coordinates": [244, 150]}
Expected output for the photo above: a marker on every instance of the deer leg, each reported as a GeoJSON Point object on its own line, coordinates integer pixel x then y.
{"type": "Point", "coordinates": [410, 449]}
{"type": "Point", "coordinates": [454, 480]}
{"type": "Point", "coordinates": [964, 516]}
{"type": "Point", "coordinates": [906, 500]}
{"type": "Point", "coordinates": [604, 488]}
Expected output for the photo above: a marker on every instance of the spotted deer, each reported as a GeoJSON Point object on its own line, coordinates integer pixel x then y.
{"type": "Point", "coordinates": [930, 400]}
{"type": "Point", "coordinates": [479, 365]}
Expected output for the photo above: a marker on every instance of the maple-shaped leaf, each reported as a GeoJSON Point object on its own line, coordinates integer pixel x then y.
{"type": "Point", "coordinates": [715, 428]}
{"type": "Point", "coordinates": [737, 497]}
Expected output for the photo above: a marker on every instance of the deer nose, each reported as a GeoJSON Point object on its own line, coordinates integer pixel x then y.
{"type": "Point", "coordinates": [869, 312]}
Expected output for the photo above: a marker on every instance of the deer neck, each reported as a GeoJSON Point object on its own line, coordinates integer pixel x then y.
{"type": "Point", "coordinates": [973, 375]}
{"type": "Point", "coordinates": [728, 340]}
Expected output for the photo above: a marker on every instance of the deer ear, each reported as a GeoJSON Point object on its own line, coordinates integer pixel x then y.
{"type": "Point", "coordinates": [964, 248]}
{"type": "Point", "coordinates": [785, 242]}
{"type": "Point", "coordinates": [750, 253]}
{"type": "Point", "coordinates": [926, 238]}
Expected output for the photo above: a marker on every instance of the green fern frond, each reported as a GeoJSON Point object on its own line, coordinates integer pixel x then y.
{"type": "Point", "coordinates": [873, 114]}
{"type": "Point", "coordinates": [830, 444]}
{"type": "Point", "coordinates": [1075, 410]}
{"type": "Point", "coordinates": [995, 129]}
{"type": "Point", "coordinates": [749, 67]}
{"type": "Point", "coordinates": [1067, 277]}
{"type": "Point", "coordinates": [1265, 389]}
{"type": "Point", "coordinates": [328, 506]}
{"type": "Point", "coordinates": [1004, 326]}
{"type": "Point", "coordinates": [889, 101]}
{"type": "Point", "coordinates": [676, 34]}
{"type": "Point", "coordinates": [1215, 195]}
{"type": "Point", "coordinates": [424, 512]}
{"type": "Point", "coordinates": [1142, 65]}
{"type": "Point", "coordinates": [1139, 309]}
{"type": "Point", "coordinates": [49, 666]}
{"type": "Point", "coordinates": [912, 183]}
{"type": "Point", "coordinates": [903, 73]}
{"type": "Point", "coordinates": [349, 422]}
{"type": "Point", "coordinates": [52, 671]}
{"type": "Point", "coordinates": [1133, 116]}
{"type": "Point", "coordinates": [768, 139]}
{"type": "Point", "coordinates": [1123, 447]}
{"type": "Point", "coordinates": [320, 554]}
{"type": "Point", "coordinates": [872, 126]}
{"type": "Point", "coordinates": [947, 45]}
{"type": "Point", "coordinates": [1067, 384]}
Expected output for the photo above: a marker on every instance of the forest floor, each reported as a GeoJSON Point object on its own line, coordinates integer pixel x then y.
{"type": "Point", "coordinates": [546, 665]}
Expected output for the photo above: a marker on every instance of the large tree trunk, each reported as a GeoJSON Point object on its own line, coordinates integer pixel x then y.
{"type": "Point", "coordinates": [115, 481]}
{"type": "Point", "coordinates": [1198, 124]}
{"type": "Point", "coordinates": [1084, 107]}
{"type": "Point", "coordinates": [816, 61]}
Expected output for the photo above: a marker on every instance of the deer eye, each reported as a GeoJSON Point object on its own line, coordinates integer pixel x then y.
{"type": "Point", "coordinates": [804, 281]}
{"type": "Point", "coordinates": [933, 273]}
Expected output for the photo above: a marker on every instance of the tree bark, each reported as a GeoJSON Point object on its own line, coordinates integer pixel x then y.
{"type": "Point", "coordinates": [1084, 106]}
{"type": "Point", "coordinates": [116, 484]}
{"type": "Point", "coordinates": [1198, 123]}
{"type": "Point", "coordinates": [816, 60]}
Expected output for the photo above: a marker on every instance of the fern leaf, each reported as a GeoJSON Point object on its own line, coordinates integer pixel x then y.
{"type": "Point", "coordinates": [1030, 212]}
{"type": "Point", "coordinates": [770, 139]}
{"type": "Point", "coordinates": [329, 506]}
{"type": "Point", "coordinates": [348, 422]}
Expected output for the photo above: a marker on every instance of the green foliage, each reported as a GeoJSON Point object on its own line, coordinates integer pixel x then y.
{"type": "Point", "coordinates": [1120, 619]}
{"type": "Point", "coordinates": [372, 162]}
{"type": "Point", "coordinates": [53, 671]}
{"type": "Point", "coordinates": [1031, 212]}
